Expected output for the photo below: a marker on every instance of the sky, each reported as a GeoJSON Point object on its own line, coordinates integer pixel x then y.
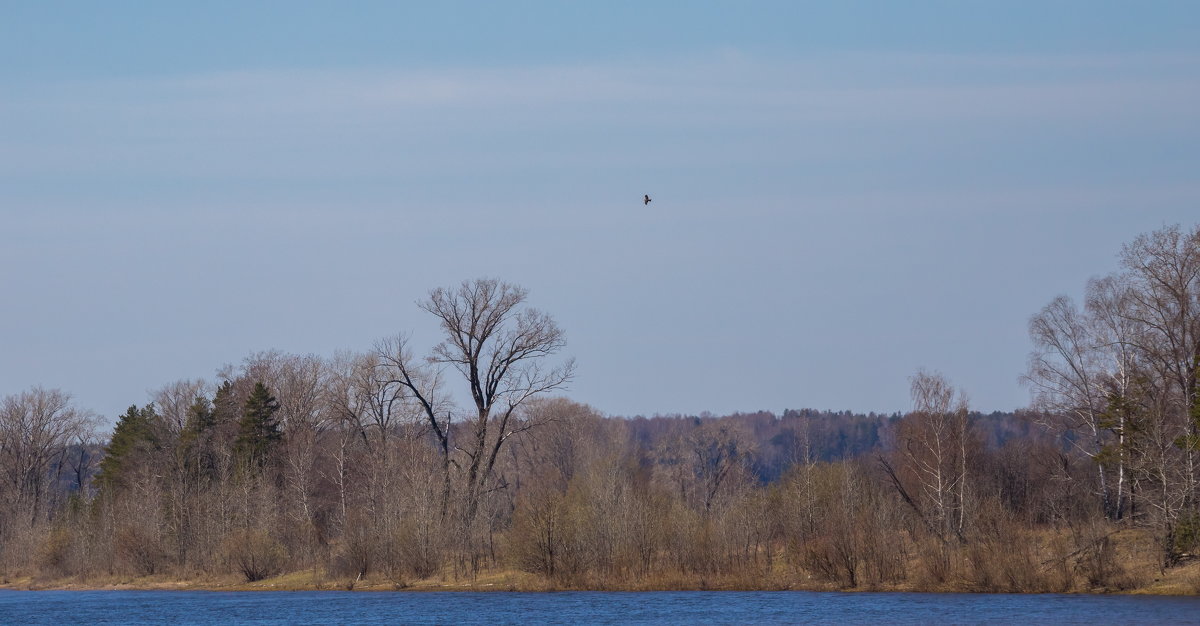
{"type": "Point", "coordinates": [843, 193]}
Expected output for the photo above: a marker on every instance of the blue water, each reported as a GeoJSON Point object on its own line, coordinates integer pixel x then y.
{"type": "Point", "coordinates": [688, 607]}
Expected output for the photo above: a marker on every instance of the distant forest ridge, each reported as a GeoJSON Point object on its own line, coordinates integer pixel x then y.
{"type": "Point", "coordinates": [776, 442]}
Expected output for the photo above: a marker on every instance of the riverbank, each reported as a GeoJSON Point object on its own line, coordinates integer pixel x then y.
{"type": "Point", "coordinates": [1128, 564]}
{"type": "Point", "coordinates": [313, 580]}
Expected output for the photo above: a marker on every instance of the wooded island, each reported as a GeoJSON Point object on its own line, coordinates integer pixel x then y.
{"type": "Point", "coordinates": [465, 467]}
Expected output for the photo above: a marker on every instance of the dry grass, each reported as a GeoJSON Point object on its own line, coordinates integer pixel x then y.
{"type": "Point", "coordinates": [1129, 563]}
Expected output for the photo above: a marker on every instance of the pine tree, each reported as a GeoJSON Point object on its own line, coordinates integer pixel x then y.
{"type": "Point", "coordinates": [258, 432]}
{"type": "Point", "coordinates": [133, 439]}
{"type": "Point", "coordinates": [196, 441]}
{"type": "Point", "coordinates": [226, 409]}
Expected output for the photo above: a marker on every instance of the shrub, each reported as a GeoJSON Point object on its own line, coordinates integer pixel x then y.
{"type": "Point", "coordinates": [53, 555]}
{"type": "Point", "coordinates": [413, 551]}
{"type": "Point", "coordinates": [139, 550]}
{"type": "Point", "coordinates": [254, 553]}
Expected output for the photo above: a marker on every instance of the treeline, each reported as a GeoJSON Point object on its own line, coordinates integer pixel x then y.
{"type": "Point", "coordinates": [365, 467]}
{"type": "Point", "coordinates": [202, 488]}
{"type": "Point", "coordinates": [808, 435]}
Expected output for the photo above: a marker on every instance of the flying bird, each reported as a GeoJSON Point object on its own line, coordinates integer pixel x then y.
{"type": "Point", "coordinates": [645, 200]}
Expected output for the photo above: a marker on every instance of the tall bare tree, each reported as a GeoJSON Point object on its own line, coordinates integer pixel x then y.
{"type": "Point", "coordinates": [933, 449]}
{"type": "Point", "coordinates": [498, 346]}
{"type": "Point", "coordinates": [1163, 269]}
{"type": "Point", "coordinates": [1116, 335]}
{"type": "Point", "coordinates": [1069, 371]}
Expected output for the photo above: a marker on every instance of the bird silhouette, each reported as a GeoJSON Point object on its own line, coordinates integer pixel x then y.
{"type": "Point", "coordinates": [645, 200]}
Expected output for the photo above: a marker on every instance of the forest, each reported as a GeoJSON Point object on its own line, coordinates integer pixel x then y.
{"type": "Point", "coordinates": [389, 468]}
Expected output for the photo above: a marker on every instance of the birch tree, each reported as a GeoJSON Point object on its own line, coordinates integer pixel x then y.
{"type": "Point", "coordinates": [1068, 372]}
{"type": "Point", "coordinates": [933, 450]}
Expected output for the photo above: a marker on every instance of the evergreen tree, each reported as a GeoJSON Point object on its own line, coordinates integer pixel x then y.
{"type": "Point", "coordinates": [196, 443]}
{"type": "Point", "coordinates": [226, 409]}
{"type": "Point", "coordinates": [133, 439]}
{"type": "Point", "coordinates": [258, 432]}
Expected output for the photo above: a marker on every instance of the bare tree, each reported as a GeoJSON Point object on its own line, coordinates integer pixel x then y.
{"type": "Point", "coordinates": [705, 461]}
{"type": "Point", "coordinates": [933, 448]}
{"type": "Point", "coordinates": [1163, 269]}
{"type": "Point", "coordinates": [498, 346]}
{"type": "Point", "coordinates": [301, 384]}
{"type": "Point", "coordinates": [1128, 364]}
{"type": "Point", "coordinates": [1068, 372]}
{"type": "Point", "coordinates": [407, 381]}
{"type": "Point", "coordinates": [36, 427]}
{"type": "Point", "coordinates": [1116, 335]}
{"type": "Point", "coordinates": [373, 403]}
{"type": "Point", "coordinates": [852, 540]}
{"type": "Point", "coordinates": [173, 402]}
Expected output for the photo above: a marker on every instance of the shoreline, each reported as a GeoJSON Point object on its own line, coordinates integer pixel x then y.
{"type": "Point", "coordinates": [517, 582]}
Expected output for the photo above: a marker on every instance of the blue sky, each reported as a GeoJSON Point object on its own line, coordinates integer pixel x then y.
{"type": "Point", "coordinates": [843, 193]}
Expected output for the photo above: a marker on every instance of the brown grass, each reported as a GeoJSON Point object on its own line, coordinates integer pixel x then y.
{"type": "Point", "coordinates": [1124, 561]}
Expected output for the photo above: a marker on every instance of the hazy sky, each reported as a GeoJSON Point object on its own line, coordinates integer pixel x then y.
{"type": "Point", "coordinates": [843, 193]}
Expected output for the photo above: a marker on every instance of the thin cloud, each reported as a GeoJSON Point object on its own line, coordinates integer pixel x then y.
{"type": "Point", "coordinates": [724, 80]}
{"type": "Point", "coordinates": [337, 123]}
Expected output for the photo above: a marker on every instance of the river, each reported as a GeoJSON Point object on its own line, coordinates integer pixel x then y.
{"type": "Point", "coordinates": [691, 607]}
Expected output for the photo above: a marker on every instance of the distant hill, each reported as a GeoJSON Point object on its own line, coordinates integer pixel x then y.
{"type": "Point", "coordinates": [776, 442]}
